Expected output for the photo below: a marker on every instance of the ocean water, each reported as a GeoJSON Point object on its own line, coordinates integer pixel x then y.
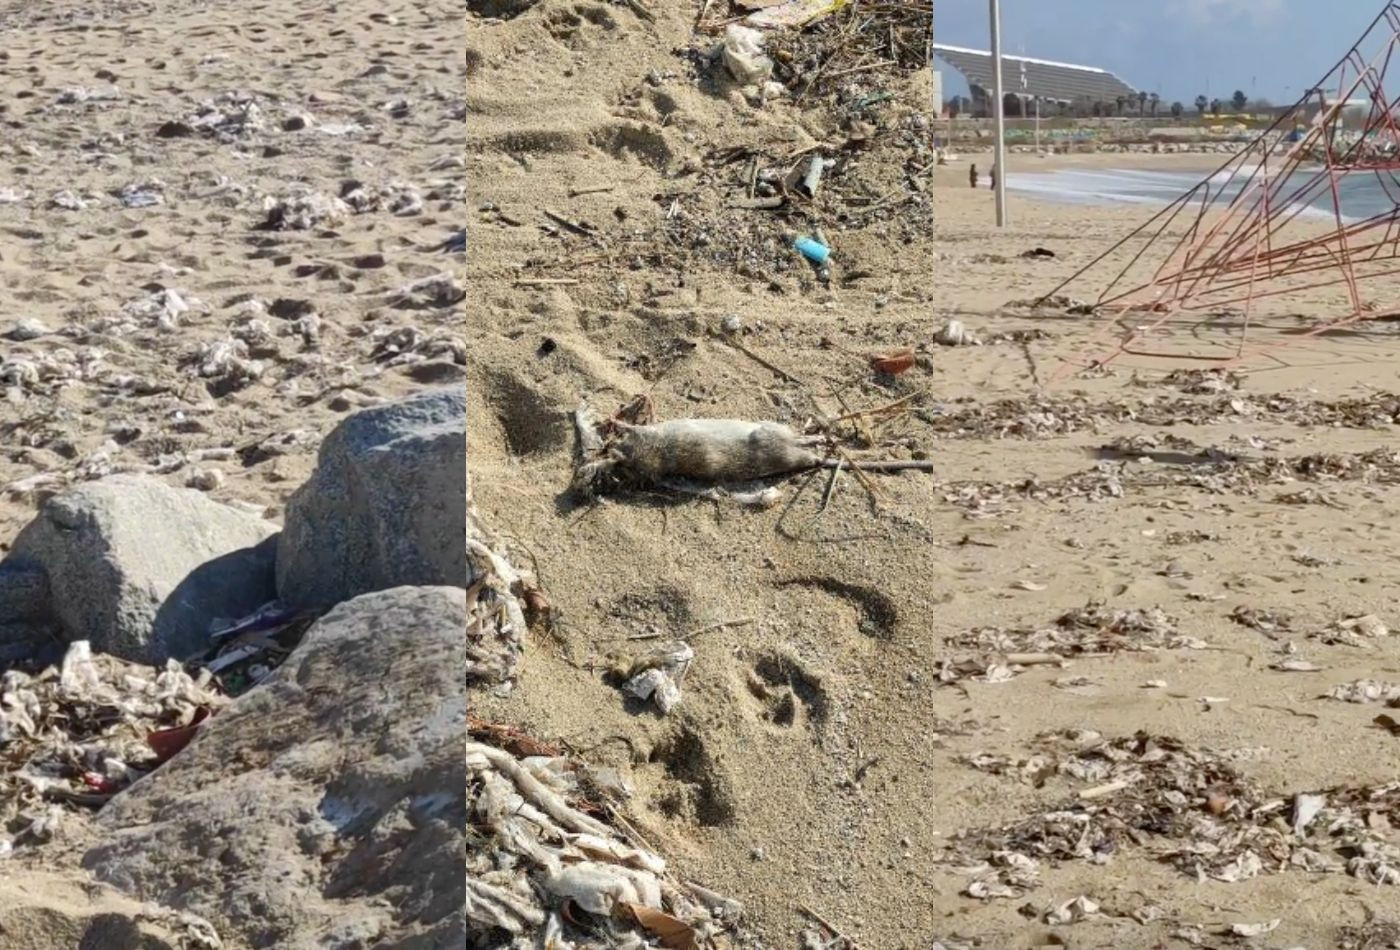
{"type": "Point", "coordinates": [1363, 195]}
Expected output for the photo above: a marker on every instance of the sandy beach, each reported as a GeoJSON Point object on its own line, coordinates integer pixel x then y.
{"type": "Point", "coordinates": [135, 168]}
{"type": "Point", "coordinates": [847, 742]}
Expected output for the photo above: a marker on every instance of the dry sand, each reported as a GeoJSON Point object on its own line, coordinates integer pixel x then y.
{"type": "Point", "coordinates": [92, 95]}
{"type": "Point", "coordinates": [815, 758]}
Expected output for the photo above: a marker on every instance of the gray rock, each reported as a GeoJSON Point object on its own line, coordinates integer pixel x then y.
{"type": "Point", "coordinates": [142, 569]}
{"type": "Point", "coordinates": [327, 806]}
{"type": "Point", "coordinates": [24, 594]}
{"type": "Point", "coordinates": [385, 507]}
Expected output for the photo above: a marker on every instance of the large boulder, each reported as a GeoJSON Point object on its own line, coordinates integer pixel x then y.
{"type": "Point", "coordinates": [385, 506]}
{"type": "Point", "coordinates": [137, 567]}
{"type": "Point", "coordinates": [326, 807]}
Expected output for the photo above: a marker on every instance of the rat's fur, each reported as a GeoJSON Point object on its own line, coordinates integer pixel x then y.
{"type": "Point", "coordinates": [700, 450]}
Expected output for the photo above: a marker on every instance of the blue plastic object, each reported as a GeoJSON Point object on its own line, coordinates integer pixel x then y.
{"type": "Point", "coordinates": [812, 249]}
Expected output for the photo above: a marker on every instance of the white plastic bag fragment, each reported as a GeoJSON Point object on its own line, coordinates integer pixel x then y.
{"type": "Point", "coordinates": [743, 55]}
{"type": "Point", "coordinates": [659, 675]}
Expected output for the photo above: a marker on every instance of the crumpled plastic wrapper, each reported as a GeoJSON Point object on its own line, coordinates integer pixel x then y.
{"type": "Point", "coordinates": [74, 735]}
{"type": "Point", "coordinates": [658, 676]}
{"type": "Point", "coordinates": [539, 866]}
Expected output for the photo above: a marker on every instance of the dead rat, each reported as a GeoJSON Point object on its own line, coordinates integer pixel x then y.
{"type": "Point", "coordinates": [704, 450]}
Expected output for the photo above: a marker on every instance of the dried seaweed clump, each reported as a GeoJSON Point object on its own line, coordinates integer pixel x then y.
{"type": "Point", "coordinates": [544, 870]}
{"type": "Point", "coordinates": [1189, 807]}
{"type": "Point", "coordinates": [76, 734]}
{"type": "Point", "coordinates": [1091, 630]}
{"type": "Point", "coordinates": [495, 617]}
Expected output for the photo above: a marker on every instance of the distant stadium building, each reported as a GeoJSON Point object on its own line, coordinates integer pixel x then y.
{"type": "Point", "coordinates": [1030, 79]}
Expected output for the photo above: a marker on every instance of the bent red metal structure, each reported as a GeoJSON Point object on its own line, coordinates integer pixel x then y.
{"type": "Point", "coordinates": [1271, 221]}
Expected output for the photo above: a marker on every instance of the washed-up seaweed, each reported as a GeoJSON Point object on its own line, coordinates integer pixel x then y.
{"type": "Point", "coordinates": [78, 733]}
{"type": "Point", "coordinates": [1190, 808]}
{"type": "Point", "coordinates": [998, 653]}
{"type": "Point", "coordinates": [550, 861]}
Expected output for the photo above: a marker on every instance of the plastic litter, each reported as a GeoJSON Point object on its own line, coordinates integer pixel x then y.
{"type": "Point", "coordinates": [812, 249]}
{"type": "Point", "coordinates": [743, 55]}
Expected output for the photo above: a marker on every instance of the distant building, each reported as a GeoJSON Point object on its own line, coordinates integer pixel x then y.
{"type": "Point", "coordinates": [1026, 79]}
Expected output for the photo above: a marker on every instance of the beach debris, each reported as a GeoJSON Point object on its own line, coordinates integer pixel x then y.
{"type": "Point", "coordinates": [142, 194]}
{"type": "Point", "coordinates": [954, 333]}
{"type": "Point", "coordinates": [1374, 934]}
{"type": "Point", "coordinates": [545, 859]}
{"type": "Point", "coordinates": [743, 56]}
{"type": "Point", "coordinates": [1295, 664]}
{"type": "Point", "coordinates": [495, 609]}
{"type": "Point", "coordinates": [812, 249]}
{"type": "Point", "coordinates": [434, 291]}
{"type": "Point", "coordinates": [1092, 630]}
{"type": "Point", "coordinates": [658, 675]}
{"type": "Point", "coordinates": [811, 179]}
{"type": "Point", "coordinates": [1191, 806]}
{"type": "Point", "coordinates": [161, 309]}
{"type": "Point", "coordinates": [1206, 382]}
{"type": "Point", "coordinates": [302, 211]}
{"type": "Point", "coordinates": [1254, 930]}
{"type": "Point", "coordinates": [894, 362]}
{"type": "Point", "coordinates": [227, 362]}
{"type": "Point", "coordinates": [69, 201]}
{"type": "Point", "coordinates": [1366, 691]}
{"type": "Point", "coordinates": [75, 734]}
{"type": "Point", "coordinates": [1071, 911]}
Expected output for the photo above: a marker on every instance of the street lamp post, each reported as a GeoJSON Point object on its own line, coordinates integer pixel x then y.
{"type": "Point", "coordinates": [999, 107]}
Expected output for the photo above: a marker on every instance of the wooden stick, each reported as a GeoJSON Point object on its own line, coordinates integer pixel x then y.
{"type": "Point", "coordinates": [1035, 659]}
{"type": "Point", "coordinates": [545, 281]}
{"type": "Point", "coordinates": [1108, 788]}
{"type": "Point", "coordinates": [720, 625]}
{"type": "Point", "coordinates": [885, 465]}
{"type": "Point", "coordinates": [878, 410]}
{"type": "Point", "coordinates": [566, 223]}
{"type": "Point", "coordinates": [577, 192]}
{"type": "Point", "coordinates": [760, 360]}
{"type": "Point", "coordinates": [835, 932]}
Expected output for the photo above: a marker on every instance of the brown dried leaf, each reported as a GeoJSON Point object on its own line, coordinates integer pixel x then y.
{"type": "Point", "coordinates": [674, 933]}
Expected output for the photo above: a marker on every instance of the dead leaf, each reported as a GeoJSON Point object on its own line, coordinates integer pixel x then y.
{"type": "Point", "coordinates": [893, 362]}
{"type": "Point", "coordinates": [1388, 723]}
{"type": "Point", "coordinates": [673, 933]}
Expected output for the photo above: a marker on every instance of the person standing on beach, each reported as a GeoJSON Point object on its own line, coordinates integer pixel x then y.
{"type": "Point", "coordinates": [972, 175]}
{"type": "Point", "coordinates": [993, 176]}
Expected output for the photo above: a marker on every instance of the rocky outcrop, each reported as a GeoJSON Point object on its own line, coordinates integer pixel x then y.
{"type": "Point", "coordinates": [385, 506]}
{"type": "Point", "coordinates": [136, 567]}
{"type": "Point", "coordinates": [326, 807]}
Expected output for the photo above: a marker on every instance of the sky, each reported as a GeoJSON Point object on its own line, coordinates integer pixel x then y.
{"type": "Point", "coordinates": [1270, 49]}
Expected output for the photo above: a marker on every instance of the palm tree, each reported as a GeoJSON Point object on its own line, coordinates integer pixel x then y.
{"type": "Point", "coordinates": [1156, 100]}
{"type": "Point", "coordinates": [1142, 102]}
{"type": "Point", "coordinates": [1239, 100]}
{"type": "Point", "coordinates": [1201, 103]}
{"type": "Point", "coordinates": [1177, 110]}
